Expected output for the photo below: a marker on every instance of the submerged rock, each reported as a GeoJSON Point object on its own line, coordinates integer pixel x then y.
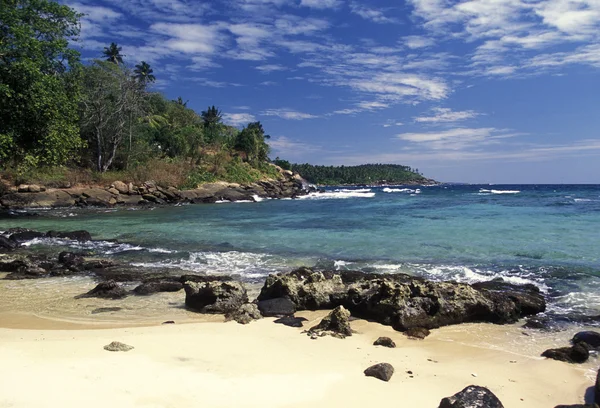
{"type": "Point", "coordinates": [472, 396]}
{"type": "Point", "coordinates": [245, 314]}
{"type": "Point", "coordinates": [118, 346]}
{"type": "Point", "coordinates": [106, 310]}
{"type": "Point", "coordinates": [106, 290]}
{"type": "Point", "coordinates": [215, 297]}
{"type": "Point", "coordinates": [385, 342]}
{"type": "Point", "coordinates": [579, 353]}
{"type": "Point", "coordinates": [336, 324]}
{"type": "Point", "coordinates": [382, 371]}
{"type": "Point", "coordinates": [72, 235]}
{"type": "Point", "coordinates": [403, 301]}
{"type": "Point", "coordinates": [150, 288]}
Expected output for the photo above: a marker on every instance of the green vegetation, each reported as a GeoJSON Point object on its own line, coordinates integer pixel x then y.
{"type": "Point", "coordinates": [353, 175]}
{"type": "Point", "coordinates": [65, 123]}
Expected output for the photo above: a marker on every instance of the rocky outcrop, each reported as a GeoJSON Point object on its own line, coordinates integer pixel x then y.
{"type": "Point", "coordinates": [336, 324]}
{"type": "Point", "coordinates": [472, 396]}
{"type": "Point", "coordinates": [245, 314]}
{"type": "Point", "coordinates": [381, 371]}
{"type": "Point", "coordinates": [402, 301]}
{"type": "Point", "coordinates": [215, 297]}
{"type": "Point", "coordinates": [120, 193]}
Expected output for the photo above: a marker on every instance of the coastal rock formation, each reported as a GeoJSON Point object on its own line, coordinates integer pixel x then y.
{"type": "Point", "coordinates": [382, 371]}
{"type": "Point", "coordinates": [277, 307]}
{"type": "Point", "coordinates": [578, 353]}
{"type": "Point", "coordinates": [336, 324]}
{"type": "Point", "coordinates": [215, 297]}
{"type": "Point", "coordinates": [245, 314]}
{"type": "Point", "coordinates": [106, 290]}
{"type": "Point", "coordinates": [7, 244]}
{"type": "Point", "coordinates": [472, 396]}
{"type": "Point", "coordinates": [591, 338]}
{"type": "Point", "coordinates": [402, 301]}
{"type": "Point", "coordinates": [385, 342]}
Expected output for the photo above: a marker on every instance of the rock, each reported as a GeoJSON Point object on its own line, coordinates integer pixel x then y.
{"type": "Point", "coordinates": [382, 371]}
{"type": "Point", "coordinates": [23, 188]}
{"type": "Point", "coordinates": [417, 333]}
{"type": "Point", "coordinates": [8, 244]}
{"type": "Point", "coordinates": [53, 199]}
{"type": "Point", "coordinates": [13, 265]}
{"type": "Point", "coordinates": [335, 323]}
{"type": "Point", "coordinates": [153, 199]}
{"type": "Point", "coordinates": [113, 191]}
{"type": "Point", "coordinates": [26, 235]}
{"type": "Point", "coordinates": [472, 396]}
{"type": "Point", "coordinates": [205, 278]}
{"type": "Point", "coordinates": [169, 322]}
{"type": "Point", "coordinates": [106, 290]}
{"type": "Point", "coordinates": [118, 346]}
{"type": "Point", "coordinates": [579, 353]}
{"type": "Point", "coordinates": [121, 187]}
{"type": "Point", "coordinates": [28, 272]}
{"type": "Point", "coordinates": [592, 338]}
{"type": "Point", "coordinates": [70, 259]}
{"type": "Point", "coordinates": [277, 307]}
{"type": "Point", "coordinates": [34, 188]}
{"type": "Point", "coordinates": [149, 288]}
{"type": "Point", "coordinates": [403, 301]}
{"type": "Point", "coordinates": [106, 310]}
{"type": "Point", "coordinates": [385, 342]}
{"type": "Point", "coordinates": [72, 235]}
{"type": "Point", "coordinates": [577, 406]}
{"type": "Point", "coordinates": [215, 297]}
{"type": "Point", "coordinates": [291, 321]}
{"type": "Point", "coordinates": [245, 314]}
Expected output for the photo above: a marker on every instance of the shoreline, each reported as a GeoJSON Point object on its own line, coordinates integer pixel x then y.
{"type": "Point", "coordinates": [180, 364]}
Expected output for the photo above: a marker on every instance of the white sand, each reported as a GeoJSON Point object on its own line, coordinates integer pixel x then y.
{"type": "Point", "coordinates": [264, 364]}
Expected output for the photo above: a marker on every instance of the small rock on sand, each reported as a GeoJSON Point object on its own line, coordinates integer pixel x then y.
{"type": "Point", "coordinates": [118, 346]}
{"type": "Point", "coordinates": [382, 371]}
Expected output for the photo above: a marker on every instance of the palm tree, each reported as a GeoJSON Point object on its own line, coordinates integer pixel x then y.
{"type": "Point", "coordinates": [113, 53]}
{"type": "Point", "coordinates": [143, 73]}
{"type": "Point", "coordinates": [211, 116]}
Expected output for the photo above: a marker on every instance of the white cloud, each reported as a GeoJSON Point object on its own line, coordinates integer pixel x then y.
{"type": "Point", "coordinates": [289, 148]}
{"type": "Point", "coordinates": [321, 4]}
{"type": "Point", "coordinates": [189, 38]}
{"type": "Point", "coordinates": [402, 86]}
{"type": "Point", "coordinates": [288, 114]}
{"type": "Point", "coordinates": [457, 138]}
{"type": "Point", "coordinates": [371, 14]}
{"type": "Point", "coordinates": [446, 115]}
{"type": "Point", "coordinates": [271, 68]}
{"type": "Point", "coordinates": [238, 119]}
{"type": "Point", "coordinates": [416, 41]}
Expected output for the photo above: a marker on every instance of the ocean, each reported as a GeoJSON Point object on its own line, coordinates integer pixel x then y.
{"type": "Point", "coordinates": [547, 235]}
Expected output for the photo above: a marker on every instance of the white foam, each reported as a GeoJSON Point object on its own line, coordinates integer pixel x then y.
{"type": "Point", "coordinates": [483, 190]}
{"type": "Point", "coordinates": [348, 190]}
{"type": "Point", "coordinates": [106, 247]}
{"type": "Point", "coordinates": [400, 190]}
{"type": "Point", "coordinates": [337, 195]}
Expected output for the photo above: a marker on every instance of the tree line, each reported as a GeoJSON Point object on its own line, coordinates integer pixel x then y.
{"type": "Point", "coordinates": [103, 115]}
{"type": "Point", "coordinates": [368, 174]}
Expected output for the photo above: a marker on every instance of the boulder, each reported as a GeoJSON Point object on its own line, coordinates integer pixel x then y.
{"type": "Point", "coordinates": [277, 307]}
{"type": "Point", "coordinates": [385, 342]}
{"type": "Point", "coordinates": [215, 297]}
{"type": "Point", "coordinates": [150, 288]}
{"type": "Point", "coordinates": [118, 346]}
{"type": "Point", "coordinates": [403, 301]}
{"type": "Point", "coordinates": [70, 259]}
{"type": "Point", "coordinates": [382, 371]}
{"type": "Point", "coordinates": [8, 244]}
{"type": "Point", "coordinates": [72, 235]}
{"type": "Point", "coordinates": [336, 324]}
{"type": "Point", "coordinates": [579, 353]}
{"type": "Point", "coordinates": [472, 396]}
{"type": "Point", "coordinates": [417, 333]}
{"type": "Point", "coordinates": [26, 235]}
{"type": "Point", "coordinates": [121, 187]}
{"type": "Point", "coordinates": [106, 290]}
{"type": "Point", "coordinates": [245, 314]}
{"type": "Point", "coordinates": [34, 188]}
{"type": "Point", "coordinates": [591, 338]}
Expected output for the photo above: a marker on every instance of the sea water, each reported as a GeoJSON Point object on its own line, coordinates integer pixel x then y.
{"type": "Point", "coordinates": [546, 235]}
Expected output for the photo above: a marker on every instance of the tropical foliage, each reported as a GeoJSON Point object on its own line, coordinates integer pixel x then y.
{"type": "Point", "coordinates": [352, 175]}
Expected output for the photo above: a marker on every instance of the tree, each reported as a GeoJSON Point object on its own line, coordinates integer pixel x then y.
{"type": "Point", "coordinates": [111, 100]}
{"type": "Point", "coordinates": [251, 141]}
{"type": "Point", "coordinates": [39, 82]}
{"type": "Point", "coordinates": [143, 73]}
{"type": "Point", "coordinates": [113, 54]}
{"type": "Point", "coordinates": [212, 118]}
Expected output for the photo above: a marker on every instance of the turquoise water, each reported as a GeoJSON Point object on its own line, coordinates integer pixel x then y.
{"type": "Point", "coordinates": [546, 235]}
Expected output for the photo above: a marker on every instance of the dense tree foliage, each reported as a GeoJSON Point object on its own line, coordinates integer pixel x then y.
{"type": "Point", "coordinates": [364, 174]}
{"type": "Point", "coordinates": [39, 82]}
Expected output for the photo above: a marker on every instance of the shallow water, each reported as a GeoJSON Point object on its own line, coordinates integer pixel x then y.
{"type": "Point", "coordinates": [545, 235]}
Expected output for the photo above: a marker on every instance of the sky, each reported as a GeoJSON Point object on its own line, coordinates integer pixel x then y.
{"type": "Point", "coordinates": [479, 91]}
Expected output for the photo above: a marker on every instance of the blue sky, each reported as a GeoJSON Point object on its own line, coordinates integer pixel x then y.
{"type": "Point", "coordinates": [488, 91]}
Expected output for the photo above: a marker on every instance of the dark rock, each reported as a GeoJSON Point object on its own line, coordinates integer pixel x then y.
{"type": "Point", "coordinates": [215, 297]}
{"type": "Point", "coordinates": [277, 307]}
{"type": "Point", "coordinates": [169, 322]}
{"type": "Point", "coordinates": [403, 301]}
{"type": "Point", "coordinates": [73, 235]}
{"type": "Point", "coordinates": [543, 323]}
{"type": "Point", "coordinates": [335, 323]}
{"type": "Point", "coordinates": [106, 310]}
{"type": "Point", "coordinates": [597, 389]}
{"type": "Point", "coordinates": [6, 243]}
{"type": "Point", "coordinates": [26, 235]}
{"type": "Point", "coordinates": [382, 371]}
{"type": "Point", "coordinates": [291, 321]}
{"type": "Point", "coordinates": [472, 396]}
{"type": "Point", "coordinates": [106, 290]}
{"type": "Point", "coordinates": [28, 272]}
{"type": "Point", "coordinates": [417, 333]}
{"type": "Point", "coordinates": [205, 278]}
{"type": "Point", "coordinates": [592, 338]}
{"type": "Point", "coordinates": [385, 342]}
{"type": "Point", "coordinates": [577, 406]}
{"type": "Point", "coordinates": [245, 314]}
{"type": "Point", "coordinates": [154, 287]}
{"type": "Point", "coordinates": [13, 266]}
{"type": "Point", "coordinates": [70, 259]}
{"type": "Point", "coordinates": [579, 353]}
{"type": "Point", "coordinates": [118, 346]}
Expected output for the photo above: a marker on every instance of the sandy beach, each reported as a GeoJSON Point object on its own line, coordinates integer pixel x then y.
{"type": "Point", "coordinates": [216, 364]}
